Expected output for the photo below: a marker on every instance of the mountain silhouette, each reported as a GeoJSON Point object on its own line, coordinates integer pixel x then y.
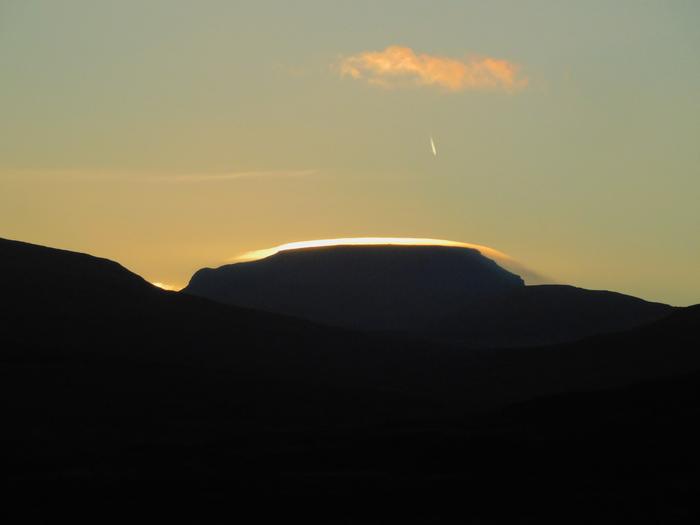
{"type": "Point", "coordinates": [447, 293]}
{"type": "Point", "coordinates": [119, 399]}
{"type": "Point", "coordinates": [367, 287]}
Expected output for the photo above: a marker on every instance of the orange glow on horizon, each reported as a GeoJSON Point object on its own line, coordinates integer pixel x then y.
{"type": "Point", "coordinates": [169, 287]}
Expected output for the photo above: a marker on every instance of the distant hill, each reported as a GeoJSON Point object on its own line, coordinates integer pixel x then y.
{"type": "Point", "coordinates": [447, 293]}
{"type": "Point", "coordinates": [547, 314]}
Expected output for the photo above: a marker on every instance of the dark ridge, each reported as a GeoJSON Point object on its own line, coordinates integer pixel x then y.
{"type": "Point", "coordinates": [52, 296]}
{"type": "Point", "coordinates": [548, 314]}
{"type": "Point", "coordinates": [59, 280]}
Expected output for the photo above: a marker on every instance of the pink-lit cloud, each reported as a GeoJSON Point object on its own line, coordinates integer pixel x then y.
{"type": "Point", "coordinates": [397, 66]}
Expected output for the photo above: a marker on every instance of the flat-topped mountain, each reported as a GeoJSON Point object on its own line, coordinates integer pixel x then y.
{"type": "Point", "coordinates": [444, 292]}
{"type": "Point", "coordinates": [366, 287]}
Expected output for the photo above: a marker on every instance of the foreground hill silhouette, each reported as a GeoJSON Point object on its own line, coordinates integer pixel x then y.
{"type": "Point", "coordinates": [448, 293]}
{"type": "Point", "coordinates": [121, 401]}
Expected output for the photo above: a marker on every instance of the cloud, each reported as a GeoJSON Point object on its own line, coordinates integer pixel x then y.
{"type": "Point", "coordinates": [97, 175]}
{"type": "Point", "coordinates": [506, 261]}
{"type": "Point", "coordinates": [397, 66]}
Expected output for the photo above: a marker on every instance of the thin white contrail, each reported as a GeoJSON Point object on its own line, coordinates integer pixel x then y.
{"type": "Point", "coordinates": [432, 146]}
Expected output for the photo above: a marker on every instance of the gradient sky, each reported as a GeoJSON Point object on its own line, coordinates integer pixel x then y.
{"type": "Point", "coordinates": [174, 135]}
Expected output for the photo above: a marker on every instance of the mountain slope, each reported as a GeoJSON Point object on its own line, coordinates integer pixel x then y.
{"type": "Point", "coordinates": [547, 314]}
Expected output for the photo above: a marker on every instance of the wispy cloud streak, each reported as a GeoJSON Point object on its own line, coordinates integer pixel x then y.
{"type": "Point", "coordinates": [150, 177]}
{"type": "Point", "coordinates": [219, 177]}
{"type": "Point", "coordinates": [397, 66]}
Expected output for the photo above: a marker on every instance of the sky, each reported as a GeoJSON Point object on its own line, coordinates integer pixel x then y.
{"type": "Point", "coordinates": [173, 135]}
